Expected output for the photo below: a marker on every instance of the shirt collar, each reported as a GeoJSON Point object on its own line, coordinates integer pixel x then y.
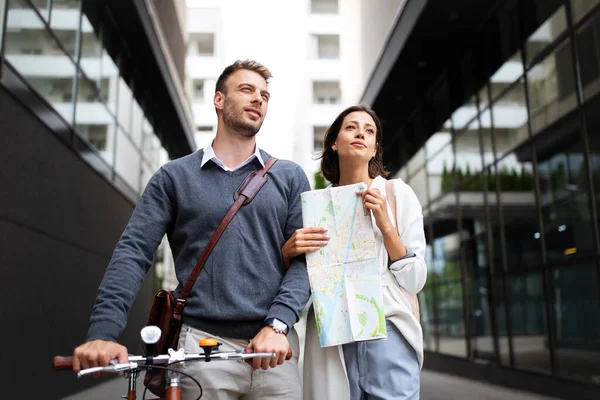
{"type": "Point", "coordinates": [209, 154]}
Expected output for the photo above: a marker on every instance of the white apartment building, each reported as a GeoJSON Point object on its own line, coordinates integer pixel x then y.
{"type": "Point", "coordinates": [321, 53]}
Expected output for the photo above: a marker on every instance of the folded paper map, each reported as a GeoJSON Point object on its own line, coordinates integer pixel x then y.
{"type": "Point", "coordinates": [344, 275]}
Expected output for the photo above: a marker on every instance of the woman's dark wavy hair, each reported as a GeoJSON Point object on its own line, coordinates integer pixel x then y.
{"type": "Point", "coordinates": [330, 165]}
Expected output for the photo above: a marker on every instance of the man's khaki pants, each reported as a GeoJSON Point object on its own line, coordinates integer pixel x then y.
{"type": "Point", "coordinates": [228, 380]}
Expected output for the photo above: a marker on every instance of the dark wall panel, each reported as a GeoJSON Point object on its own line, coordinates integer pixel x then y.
{"type": "Point", "coordinates": [59, 222]}
{"type": "Point", "coordinates": [50, 188]}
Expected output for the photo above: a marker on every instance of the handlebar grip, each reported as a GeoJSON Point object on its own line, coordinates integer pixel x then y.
{"type": "Point", "coordinates": [61, 363]}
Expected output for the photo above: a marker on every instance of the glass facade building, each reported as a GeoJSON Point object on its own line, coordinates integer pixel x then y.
{"type": "Point", "coordinates": [54, 48]}
{"type": "Point", "coordinates": [91, 105]}
{"type": "Point", "coordinates": [501, 144]}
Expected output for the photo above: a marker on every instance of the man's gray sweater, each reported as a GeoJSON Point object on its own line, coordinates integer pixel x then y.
{"type": "Point", "coordinates": [244, 280]}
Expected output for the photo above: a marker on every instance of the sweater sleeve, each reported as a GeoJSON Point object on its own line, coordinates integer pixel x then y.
{"type": "Point", "coordinates": [294, 290]}
{"type": "Point", "coordinates": [410, 272]}
{"type": "Point", "coordinates": [131, 260]}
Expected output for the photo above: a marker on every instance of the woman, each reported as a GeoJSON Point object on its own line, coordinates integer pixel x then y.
{"type": "Point", "coordinates": [377, 369]}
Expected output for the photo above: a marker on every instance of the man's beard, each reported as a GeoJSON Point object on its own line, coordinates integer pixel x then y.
{"type": "Point", "coordinates": [238, 124]}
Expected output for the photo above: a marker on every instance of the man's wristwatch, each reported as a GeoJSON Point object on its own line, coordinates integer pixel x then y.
{"type": "Point", "coordinates": [277, 325]}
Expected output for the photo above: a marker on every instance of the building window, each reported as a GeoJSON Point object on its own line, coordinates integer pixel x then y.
{"type": "Point", "coordinates": [324, 6]}
{"type": "Point", "coordinates": [318, 138]}
{"type": "Point", "coordinates": [95, 134]}
{"type": "Point", "coordinates": [327, 92]}
{"type": "Point", "coordinates": [198, 90]}
{"type": "Point", "coordinates": [202, 44]}
{"type": "Point", "coordinates": [327, 46]}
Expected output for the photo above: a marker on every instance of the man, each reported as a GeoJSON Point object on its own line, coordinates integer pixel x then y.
{"type": "Point", "coordinates": [243, 297]}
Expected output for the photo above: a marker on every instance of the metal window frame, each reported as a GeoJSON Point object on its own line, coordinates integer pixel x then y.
{"type": "Point", "coordinates": [551, 333]}
{"type": "Point", "coordinates": [490, 241]}
{"type": "Point", "coordinates": [503, 247]}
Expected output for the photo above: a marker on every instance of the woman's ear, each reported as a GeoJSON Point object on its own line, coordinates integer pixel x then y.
{"type": "Point", "coordinates": [334, 148]}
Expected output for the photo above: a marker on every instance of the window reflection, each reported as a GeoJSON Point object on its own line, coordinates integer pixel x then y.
{"type": "Point", "coordinates": [565, 206]}
{"type": "Point", "coordinates": [474, 242]}
{"type": "Point", "coordinates": [482, 342]}
{"type": "Point", "coordinates": [468, 158]}
{"type": "Point", "coordinates": [528, 322]}
{"type": "Point", "coordinates": [93, 121]}
{"type": "Point", "coordinates": [484, 100]}
{"type": "Point", "coordinates": [450, 322]}
{"type": "Point", "coordinates": [34, 53]}
{"type": "Point", "coordinates": [547, 33]}
{"type": "Point", "coordinates": [146, 174]}
{"type": "Point", "coordinates": [517, 199]}
{"type": "Point", "coordinates": [551, 86]}
{"type": "Point", "coordinates": [509, 72]}
{"type": "Point", "coordinates": [64, 23]}
{"type": "Point", "coordinates": [91, 53]}
{"type": "Point", "coordinates": [403, 174]}
{"type": "Point", "coordinates": [426, 304]}
{"type": "Point", "coordinates": [124, 111]}
{"type": "Point", "coordinates": [444, 281]}
{"type": "Point", "coordinates": [127, 163]}
{"type": "Point", "coordinates": [440, 165]}
{"type": "Point", "coordinates": [108, 82]}
{"type": "Point", "coordinates": [510, 119]}
{"type": "Point", "coordinates": [592, 119]}
{"type": "Point", "coordinates": [501, 319]}
{"type": "Point", "coordinates": [486, 137]}
{"type": "Point", "coordinates": [418, 183]}
{"type": "Point", "coordinates": [438, 140]}
{"type": "Point", "coordinates": [40, 5]}
{"type": "Point", "coordinates": [150, 146]}
{"type": "Point", "coordinates": [137, 117]}
{"type": "Point", "coordinates": [574, 297]}
{"type": "Point", "coordinates": [417, 161]}
{"type": "Point", "coordinates": [581, 7]}
{"type": "Point", "coordinates": [588, 53]}
{"type": "Point", "coordinates": [463, 115]}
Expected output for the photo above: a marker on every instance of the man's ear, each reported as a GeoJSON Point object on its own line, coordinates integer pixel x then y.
{"type": "Point", "coordinates": [218, 100]}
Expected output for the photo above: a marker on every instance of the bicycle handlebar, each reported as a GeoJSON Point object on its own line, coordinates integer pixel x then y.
{"type": "Point", "coordinates": [62, 363]}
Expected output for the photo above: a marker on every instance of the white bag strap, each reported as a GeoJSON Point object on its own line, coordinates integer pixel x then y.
{"type": "Point", "coordinates": [391, 198]}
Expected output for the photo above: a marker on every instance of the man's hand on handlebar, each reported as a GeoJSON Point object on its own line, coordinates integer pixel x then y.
{"type": "Point", "coordinates": [98, 353]}
{"type": "Point", "coordinates": [267, 340]}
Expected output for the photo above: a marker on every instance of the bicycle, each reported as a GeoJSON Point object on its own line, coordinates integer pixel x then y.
{"type": "Point", "coordinates": [171, 362]}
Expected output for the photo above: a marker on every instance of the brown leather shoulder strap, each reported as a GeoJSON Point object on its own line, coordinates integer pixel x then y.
{"type": "Point", "coordinates": [243, 195]}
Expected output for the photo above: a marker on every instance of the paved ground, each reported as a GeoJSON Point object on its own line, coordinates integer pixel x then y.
{"type": "Point", "coordinates": [437, 386]}
{"type": "Point", "coordinates": [434, 386]}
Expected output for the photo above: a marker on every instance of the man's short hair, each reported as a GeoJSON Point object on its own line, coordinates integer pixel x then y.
{"type": "Point", "coordinates": [249, 65]}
